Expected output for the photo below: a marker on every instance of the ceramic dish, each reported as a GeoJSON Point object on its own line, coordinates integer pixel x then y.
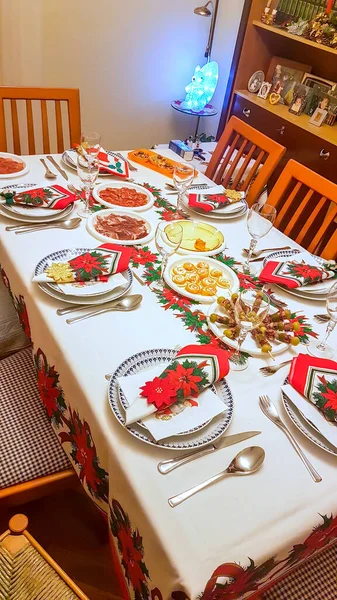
{"type": "Point", "coordinates": [203, 234]}
{"type": "Point", "coordinates": [72, 164]}
{"type": "Point", "coordinates": [19, 159]}
{"type": "Point", "coordinates": [60, 214]}
{"type": "Point", "coordinates": [118, 185]}
{"type": "Point", "coordinates": [93, 219]}
{"type": "Point", "coordinates": [175, 268]}
{"type": "Point", "coordinates": [193, 439]}
{"type": "Point", "coordinates": [220, 215]}
{"type": "Point", "coordinates": [249, 344]}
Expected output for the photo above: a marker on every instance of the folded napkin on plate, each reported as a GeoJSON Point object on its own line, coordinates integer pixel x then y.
{"type": "Point", "coordinates": [98, 264]}
{"type": "Point", "coordinates": [52, 196]}
{"type": "Point", "coordinates": [109, 163]}
{"type": "Point", "coordinates": [316, 380]}
{"type": "Point", "coordinates": [296, 272]}
{"type": "Point", "coordinates": [193, 370]}
{"type": "Point", "coordinates": [216, 198]}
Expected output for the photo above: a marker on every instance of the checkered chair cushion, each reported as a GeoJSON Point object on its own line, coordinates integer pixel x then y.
{"type": "Point", "coordinates": [316, 579]}
{"type": "Point", "coordinates": [28, 445]}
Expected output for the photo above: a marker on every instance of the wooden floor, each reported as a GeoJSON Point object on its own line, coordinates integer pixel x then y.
{"type": "Point", "coordinates": [68, 526]}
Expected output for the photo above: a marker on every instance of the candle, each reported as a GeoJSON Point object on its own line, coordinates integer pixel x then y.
{"type": "Point", "coordinates": [329, 6]}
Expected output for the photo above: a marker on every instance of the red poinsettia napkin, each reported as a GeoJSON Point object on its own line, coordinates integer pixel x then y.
{"type": "Point", "coordinates": [109, 163]}
{"type": "Point", "coordinates": [316, 379]}
{"type": "Point", "coordinates": [193, 370]}
{"type": "Point", "coordinates": [97, 264]}
{"type": "Point", "coordinates": [300, 271]}
{"type": "Point", "coordinates": [52, 196]}
{"type": "Point", "coordinates": [216, 198]}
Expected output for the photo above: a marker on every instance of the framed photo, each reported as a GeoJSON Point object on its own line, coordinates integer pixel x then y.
{"type": "Point", "coordinates": [287, 64]}
{"type": "Point", "coordinates": [256, 81]}
{"type": "Point", "coordinates": [318, 117]}
{"type": "Point", "coordinates": [319, 99]}
{"type": "Point", "coordinates": [264, 90]}
{"type": "Point", "coordinates": [312, 80]}
{"type": "Point", "coordinates": [330, 119]}
{"type": "Point", "coordinates": [301, 95]}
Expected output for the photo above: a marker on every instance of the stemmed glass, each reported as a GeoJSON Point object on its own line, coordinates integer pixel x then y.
{"type": "Point", "coordinates": [167, 239]}
{"type": "Point", "coordinates": [90, 143]}
{"type": "Point", "coordinates": [250, 309]}
{"type": "Point", "coordinates": [88, 171]}
{"type": "Point", "coordinates": [183, 176]}
{"type": "Point", "coordinates": [260, 220]}
{"type": "Point", "coordinates": [321, 349]}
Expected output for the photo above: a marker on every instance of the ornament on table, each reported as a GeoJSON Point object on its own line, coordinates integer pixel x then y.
{"type": "Point", "coordinates": [264, 90]}
{"type": "Point", "coordinates": [255, 82]}
{"type": "Point", "coordinates": [202, 87]}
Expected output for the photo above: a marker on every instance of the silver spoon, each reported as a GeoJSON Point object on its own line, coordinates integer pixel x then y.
{"type": "Point", "coordinates": [33, 225]}
{"type": "Point", "coordinates": [123, 305]}
{"type": "Point", "coordinates": [48, 174]}
{"type": "Point", "coordinates": [246, 462]}
{"type": "Point", "coordinates": [68, 224]}
{"type": "Point", "coordinates": [263, 250]}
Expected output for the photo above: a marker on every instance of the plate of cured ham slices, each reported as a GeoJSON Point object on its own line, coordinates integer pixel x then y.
{"type": "Point", "coordinates": [12, 165]}
{"type": "Point", "coordinates": [122, 226]}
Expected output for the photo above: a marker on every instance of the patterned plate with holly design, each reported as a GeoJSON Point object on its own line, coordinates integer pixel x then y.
{"type": "Point", "coordinates": [192, 439]}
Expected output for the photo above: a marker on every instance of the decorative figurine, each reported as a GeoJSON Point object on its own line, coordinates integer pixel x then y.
{"type": "Point", "coordinates": [202, 87]}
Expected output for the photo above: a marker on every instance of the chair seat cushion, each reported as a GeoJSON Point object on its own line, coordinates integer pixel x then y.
{"type": "Point", "coordinates": [29, 447]}
{"type": "Point", "coordinates": [314, 580]}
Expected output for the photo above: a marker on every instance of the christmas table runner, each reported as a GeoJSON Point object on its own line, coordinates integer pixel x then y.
{"type": "Point", "coordinates": [53, 197]}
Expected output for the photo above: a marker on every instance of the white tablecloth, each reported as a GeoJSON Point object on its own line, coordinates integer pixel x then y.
{"type": "Point", "coordinates": [161, 548]}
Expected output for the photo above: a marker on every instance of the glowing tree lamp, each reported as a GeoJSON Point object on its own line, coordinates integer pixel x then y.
{"type": "Point", "coordinates": [202, 87]}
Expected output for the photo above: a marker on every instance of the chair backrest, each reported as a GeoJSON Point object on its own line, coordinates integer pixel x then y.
{"type": "Point", "coordinates": [26, 113]}
{"type": "Point", "coordinates": [306, 205]}
{"type": "Point", "coordinates": [244, 159]}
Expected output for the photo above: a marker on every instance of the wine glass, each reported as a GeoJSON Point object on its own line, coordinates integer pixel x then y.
{"type": "Point", "coordinates": [321, 349]}
{"type": "Point", "coordinates": [88, 171]}
{"type": "Point", "coordinates": [260, 220]}
{"type": "Point", "coordinates": [167, 239]}
{"type": "Point", "coordinates": [90, 143]}
{"type": "Point", "coordinates": [250, 309]}
{"type": "Point", "coordinates": [183, 176]}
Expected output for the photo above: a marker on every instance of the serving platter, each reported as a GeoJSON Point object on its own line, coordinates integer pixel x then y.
{"type": "Point", "coordinates": [19, 159]}
{"type": "Point", "coordinates": [92, 220]}
{"type": "Point", "coordinates": [197, 232]}
{"type": "Point", "coordinates": [192, 439]}
{"type": "Point", "coordinates": [120, 185]}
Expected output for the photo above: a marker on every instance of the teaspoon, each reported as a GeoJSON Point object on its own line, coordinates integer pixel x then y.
{"type": "Point", "coordinates": [246, 462]}
{"type": "Point", "coordinates": [48, 174]}
{"type": "Point", "coordinates": [123, 305]}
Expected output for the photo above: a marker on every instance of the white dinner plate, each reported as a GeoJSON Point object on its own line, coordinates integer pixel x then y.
{"type": "Point", "coordinates": [73, 164]}
{"type": "Point", "coordinates": [213, 264]}
{"type": "Point", "coordinates": [104, 238]}
{"type": "Point", "coordinates": [60, 214]}
{"type": "Point", "coordinates": [119, 185]}
{"type": "Point", "coordinates": [249, 345]}
{"type": "Point", "coordinates": [193, 439]}
{"type": "Point", "coordinates": [217, 215]}
{"type": "Point", "coordinates": [17, 159]}
{"type": "Point", "coordinates": [213, 252]}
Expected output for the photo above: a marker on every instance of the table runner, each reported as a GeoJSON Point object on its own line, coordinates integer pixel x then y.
{"type": "Point", "coordinates": [232, 538]}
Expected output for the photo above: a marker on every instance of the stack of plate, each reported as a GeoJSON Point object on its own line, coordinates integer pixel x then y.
{"type": "Point", "coordinates": [32, 215]}
{"type": "Point", "coordinates": [92, 297]}
{"type": "Point", "coordinates": [201, 436]}
{"type": "Point", "coordinates": [316, 291]}
{"type": "Point", "coordinates": [70, 160]}
{"type": "Point", "coordinates": [231, 211]}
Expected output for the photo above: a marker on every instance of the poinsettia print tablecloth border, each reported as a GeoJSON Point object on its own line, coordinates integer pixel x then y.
{"type": "Point", "coordinates": [166, 552]}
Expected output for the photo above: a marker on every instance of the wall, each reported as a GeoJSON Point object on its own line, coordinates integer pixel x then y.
{"type": "Point", "coordinates": [129, 58]}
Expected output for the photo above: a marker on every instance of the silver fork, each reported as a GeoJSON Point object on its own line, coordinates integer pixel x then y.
{"type": "Point", "coordinates": [269, 409]}
{"type": "Point", "coordinates": [322, 318]}
{"type": "Point", "coordinates": [277, 301]}
{"type": "Point", "coordinates": [270, 370]}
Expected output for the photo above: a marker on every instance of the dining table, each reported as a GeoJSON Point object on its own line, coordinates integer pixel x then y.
{"type": "Point", "coordinates": [238, 536]}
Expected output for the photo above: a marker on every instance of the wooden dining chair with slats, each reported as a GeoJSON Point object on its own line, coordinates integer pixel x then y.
{"type": "Point", "coordinates": [244, 159]}
{"type": "Point", "coordinates": [11, 124]}
{"type": "Point", "coordinates": [306, 205]}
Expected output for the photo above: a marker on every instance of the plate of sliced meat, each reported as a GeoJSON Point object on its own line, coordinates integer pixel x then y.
{"type": "Point", "coordinates": [12, 165]}
{"type": "Point", "coordinates": [123, 195]}
{"type": "Point", "coordinates": [125, 227]}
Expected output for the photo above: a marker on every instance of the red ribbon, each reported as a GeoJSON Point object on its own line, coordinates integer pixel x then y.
{"type": "Point", "coordinates": [329, 6]}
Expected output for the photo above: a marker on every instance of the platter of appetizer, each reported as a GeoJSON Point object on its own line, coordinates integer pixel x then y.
{"type": "Point", "coordinates": [122, 226]}
{"type": "Point", "coordinates": [153, 160]}
{"type": "Point", "coordinates": [12, 165]}
{"type": "Point", "coordinates": [126, 196]}
{"type": "Point", "coordinates": [202, 280]}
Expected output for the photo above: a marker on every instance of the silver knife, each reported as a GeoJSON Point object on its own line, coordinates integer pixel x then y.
{"type": "Point", "coordinates": [311, 425]}
{"type": "Point", "coordinates": [166, 466]}
{"type": "Point", "coordinates": [57, 166]}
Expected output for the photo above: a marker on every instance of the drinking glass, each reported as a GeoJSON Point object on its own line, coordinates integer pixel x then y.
{"type": "Point", "coordinates": [260, 220]}
{"type": "Point", "coordinates": [167, 239]}
{"type": "Point", "coordinates": [183, 176]}
{"type": "Point", "coordinates": [321, 349]}
{"type": "Point", "coordinates": [250, 309]}
{"type": "Point", "coordinates": [87, 170]}
{"type": "Point", "coordinates": [91, 143]}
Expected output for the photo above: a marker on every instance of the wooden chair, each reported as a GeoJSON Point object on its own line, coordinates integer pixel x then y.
{"type": "Point", "coordinates": [244, 159]}
{"type": "Point", "coordinates": [27, 95]}
{"type": "Point", "coordinates": [27, 571]}
{"type": "Point", "coordinates": [33, 462]}
{"type": "Point", "coordinates": [306, 206]}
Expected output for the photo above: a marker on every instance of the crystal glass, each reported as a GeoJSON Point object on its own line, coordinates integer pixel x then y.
{"type": "Point", "coordinates": [183, 176]}
{"type": "Point", "coordinates": [250, 309]}
{"type": "Point", "coordinates": [90, 143]}
{"type": "Point", "coordinates": [321, 349]}
{"type": "Point", "coordinates": [88, 171]}
{"type": "Point", "coordinates": [167, 239]}
{"type": "Point", "coordinates": [260, 220]}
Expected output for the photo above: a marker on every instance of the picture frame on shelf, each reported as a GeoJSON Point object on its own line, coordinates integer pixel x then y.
{"type": "Point", "coordinates": [311, 80]}
{"type": "Point", "coordinates": [318, 117]}
{"type": "Point", "coordinates": [301, 96]}
{"type": "Point", "coordinates": [255, 82]}
{"type": "Point", "coordinates": [319, 98]}
{"type": "Point", "coordinates": [264, 90]}
{"type": "Point", "coordinates": [284, 77]}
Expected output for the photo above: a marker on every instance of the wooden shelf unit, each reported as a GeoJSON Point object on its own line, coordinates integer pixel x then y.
{"type": "Point", "coordinates": [296, 38]}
